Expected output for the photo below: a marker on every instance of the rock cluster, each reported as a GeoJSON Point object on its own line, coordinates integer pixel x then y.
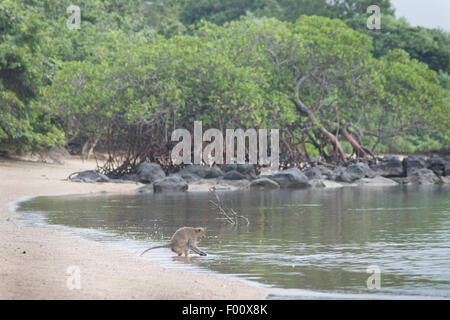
{"type": "Point", "coordinates": [389, 170]}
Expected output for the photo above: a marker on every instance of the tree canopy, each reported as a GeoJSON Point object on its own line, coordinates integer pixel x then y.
{"type": "Point", "coordinates": [134, 72]}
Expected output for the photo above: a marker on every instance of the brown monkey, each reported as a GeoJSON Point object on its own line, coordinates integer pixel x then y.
{"type": "Point", "coordinates": [184, 240]}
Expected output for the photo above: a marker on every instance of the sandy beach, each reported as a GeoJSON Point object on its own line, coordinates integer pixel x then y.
{"type": "Point", "coordinates": [34, 261]}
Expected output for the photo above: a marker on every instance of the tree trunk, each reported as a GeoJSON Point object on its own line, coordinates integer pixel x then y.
{"type": "Point", "coordinates": [339, 152]}
{"type": "Point", "coordinates": [91, 149]}
{"type": "Point", "coordinates": [84, 150]}
{"type": "Point", "coordinates": [88, 148]}
{"type": "Point", "coordinates": [360, 151]}
{"type": "Point", "coordinates": [305, 110]}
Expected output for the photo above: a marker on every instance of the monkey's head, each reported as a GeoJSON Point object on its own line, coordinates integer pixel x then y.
{"type": "Point", "coordinates": [200, 232]}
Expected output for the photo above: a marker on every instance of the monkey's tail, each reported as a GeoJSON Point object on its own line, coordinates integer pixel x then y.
{"type": "Point", "coordinates": [164, 246]}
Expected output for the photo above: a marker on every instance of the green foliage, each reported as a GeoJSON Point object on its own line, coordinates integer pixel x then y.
{"type": "Point", "coordinates": [431, 46]}
{"type": "Point", "coordinates": [132, 66]}
{"type": "Point", "coordinates": [23, 127]}
{"type": "Point", "coordinates": [221, 11]}
{"type": "Point", "coordinates": [218, 11]}
{"type": "Point", "coordinates": [444, 81]}
{"type": "Point", "coordinates": [24, 69]}
{"type": "Point", "coordinates": [34, 40]}
{"type": "Point", "coordinates": [22, 62]}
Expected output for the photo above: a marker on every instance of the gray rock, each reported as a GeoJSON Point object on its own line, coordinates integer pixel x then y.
{"type": "Point", "coordinates": [324, 171]}
{"type": "Point", "coordinates": [353, 172]}
{"type": "Point", "coordinates": [440, 166]}
{"type": "Point", "coordinates": [90, 176]}
{"type": "Point", "coordinates": [413, 162]}
{"type": "Point", "coordinates": [360, 170]}
{"type": "Point", "coordinates": [195, 172]}
{"type": "Point", "coordinates": [169, 184]}
{"type": "Point", "coordinates": [317, 183]}
{"type": "Point", "coordinates": [230, 167]}
{"type": "Point", "coordinates": [313, 173]}
{"type": "Point", "coordinates": [341, 174]}
{"type": "Point", "coordinates": [423, 176]}
{"type": "Point", "coordinates": [377, 182]}
{"type": "Point", "coordinates": [149, 172]}
{"type": "Point", "coordinates": [446, 179]}
{"type": "Point", "coordinates": [264, 184]}
{"type": "Point", "coordinates": [267, 171]}
{"type": "Point", "coordinates": [130, 177]}
{"type": "Point", "coordinates": [213, 173]}
{"type": "Point", "coordinates": [389, 166]}
{"type": "Point", "coordinates": [291, 178]}
{"type": "Point", "coordinates": [189, 177]}
{"type": "Point", "coordinates": [194, 169]}
{"type": "Point", "coordinates": [246, 169]}
{"type": "Point", "coordinates": [234, 175]}
{"type": "Point", "coordinates": [232, 185]}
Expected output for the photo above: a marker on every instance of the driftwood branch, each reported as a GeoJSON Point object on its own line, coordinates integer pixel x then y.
{"type": "Point", "coordinates": [229, 214]}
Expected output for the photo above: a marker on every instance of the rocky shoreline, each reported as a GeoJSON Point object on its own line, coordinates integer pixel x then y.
{"type": "Point", "coordinates": [386, 171]}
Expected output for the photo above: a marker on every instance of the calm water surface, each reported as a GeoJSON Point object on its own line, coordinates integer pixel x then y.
{"type": "Point", "coordinates": [300, 244]}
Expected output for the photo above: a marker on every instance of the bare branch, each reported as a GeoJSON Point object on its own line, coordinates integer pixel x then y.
{"type": "Point", "coordinates": [230, 215]}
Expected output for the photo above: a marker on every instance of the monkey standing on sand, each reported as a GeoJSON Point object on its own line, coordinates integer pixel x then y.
{"type": "Point", "coordinates": [184, 240]}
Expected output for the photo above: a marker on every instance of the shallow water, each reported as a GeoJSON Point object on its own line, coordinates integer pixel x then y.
{"type": "Point", "coordinates": [300, 244]}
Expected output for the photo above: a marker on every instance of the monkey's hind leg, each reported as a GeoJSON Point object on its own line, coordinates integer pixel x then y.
{"type": "Point", "coordinates": [177, 250]}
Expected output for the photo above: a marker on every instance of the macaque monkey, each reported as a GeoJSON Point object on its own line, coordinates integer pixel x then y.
{"type": "Point", "coordinates": [184, 240]}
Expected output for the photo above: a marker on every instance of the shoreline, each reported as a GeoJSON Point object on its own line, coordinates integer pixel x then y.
{"type": "Point", "coordinates": [34, 261]}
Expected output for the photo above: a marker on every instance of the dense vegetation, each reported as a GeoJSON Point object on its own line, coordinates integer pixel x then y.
{"type": "Point", "coordinates": [136, 70]}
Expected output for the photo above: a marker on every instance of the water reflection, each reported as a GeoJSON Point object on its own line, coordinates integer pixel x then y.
{"type": "Point", "coordinates": [313, 240]}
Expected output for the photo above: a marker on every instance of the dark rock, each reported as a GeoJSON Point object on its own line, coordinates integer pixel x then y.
{"type": "Point", "coordinates": [264, 184]}
{"type": "Point", "coordinates": [90, 176]}
{"type": "Point", "coordinates": [170, 183]}
{"type": "Point", "coordinates": [234, 175]}
{"type": "Point", "coordinates": [413, 162]}
{"type": "Point", "coordinates": [229, 167]}
{"type": "Point", "coordinates": [440, 166]}
{"type": "Point", "coordinates": [195, 172]}
{"type": "Point", "coordinates": [317, 183]}
{"type": "Point", "coordinates": [130, 177]}
{"type": "Point", "coordinates": [291, 178]}
{"type": "Point", "coordinates": [315, 160]}
{"type": "Point", "coordinates": [423, 176]}
{"type": "Point", "coordinates": [352, 173]}
{"type": "Point", "coordinates": [313, 173]}
{"type": "Point", "coordinates": [246, 169]}
{"type": "Point", "coordinates": [194, 169]}
{"type": "Point", "coordinates": [360, 170]}
{"type": "Point", "coordinates": [389, 166]}
{"type": "Point", "coordinates": [149, 172]}
{"type": "Point", "coordinates": [324, 171]}
{"type": "Point", "coordinates": [341, 174]}
{"type": "Point", "coordinates": [188, 176]}
{"type": "Point", "coordinates": [213, 173]}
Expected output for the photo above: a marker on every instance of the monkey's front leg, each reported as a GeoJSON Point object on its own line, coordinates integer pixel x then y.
{"type": "Point", "coordinates": [195, 249]}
